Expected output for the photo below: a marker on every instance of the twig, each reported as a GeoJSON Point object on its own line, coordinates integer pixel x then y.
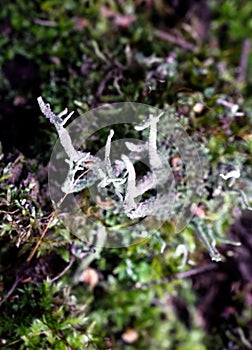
{"type": "Point", "coordinates": [180, 275]}
{"type": "Point", "coordinates": [180, 41]}
{"type": "Point", "coordinates": [65, 269]}
{"type": "Point", "coordinates": [104, 81]}
{"type": "Point", "coordinates": [196, 271]}
{"type": "Point", "coordinates": [52, 216]}
{"type": "Point", "coordinates": [29, 337]}
{"type": "Point", "coordinates": [41, 238]}
{"type": "Point", "coordinates": [13, 287]}
{"type": "Point", "coordinates": [246, 46]}
{"type": "Point", "coordinates": [19, 278]}
{"type": "Point", "coordinates": [45, 23]}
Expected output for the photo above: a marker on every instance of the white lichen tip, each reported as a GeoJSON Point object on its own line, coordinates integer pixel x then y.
{"type": "Point", "coordinates": [233, 175]}
{"type": "Point", "coordinates": [232, 106]}
{"type": "Point", "coordinates": [135, 147]}
{"type": "Point", "coordinates": [107, 154]}
{"type": "Point", "coordinates": [149, 122]}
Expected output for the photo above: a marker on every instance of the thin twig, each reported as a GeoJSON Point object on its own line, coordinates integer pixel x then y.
{"type": "Point", "coordinates": [29, 337]}
{"type": "Point", "coordinates": [243, 65]}
{"type": "Point", "coordinates": [65, 269]}
{"type": "Point", "coordinates": [104, 81]}
{"type": "Point", "coordinates": [52, 217]}
{"type": "Point", "coordinates": [41, 238]}
{"type": "Point", "coordinates": [196, 271]}
{"type": "Point", "coordinates": [45, 23]}
{"type": "Point", "coordinates": [177, 40]}
{"type": "Point", "coordinates": [13, 287]}
{"type": "Point", "coordinates": [180, 275]}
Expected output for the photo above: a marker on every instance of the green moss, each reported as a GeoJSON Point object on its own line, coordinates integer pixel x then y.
{"type": "Point", "coordinates": [76, 47]}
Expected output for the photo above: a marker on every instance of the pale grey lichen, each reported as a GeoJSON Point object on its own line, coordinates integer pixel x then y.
{"type": "Point", "coordinates": [232, 176]}
{"type": "Point", "coordinates": [153, 194]}
{"type": "Point", "coordinates": [85, 169]}
{"type": "Point", "coordinates": [151, 123]}
{"type": "Point", "coordinates": [78, 161]}
{"type": "Point", "coordinates": [208, 241]}
{"type": "Point", "coordinates": [107, 154]}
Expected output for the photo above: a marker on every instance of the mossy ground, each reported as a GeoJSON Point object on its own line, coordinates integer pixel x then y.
{"type": "Point", "coordinates": [81, 54]}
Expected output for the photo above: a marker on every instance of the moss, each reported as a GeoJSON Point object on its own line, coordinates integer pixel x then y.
{"type": "Point", "coordinates": [81, 54]}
